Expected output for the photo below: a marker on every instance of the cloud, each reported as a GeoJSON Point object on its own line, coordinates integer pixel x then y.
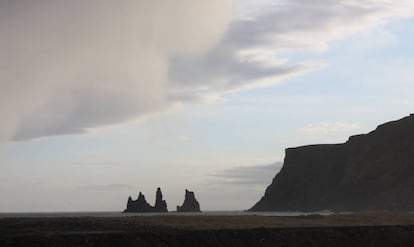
{"type": "Point", "coordinates": [67, 66]}
{"type": "Point", "coordinates": [70, 66]}
{"type": "Point", "coordinates": [184, 138]}
{"type": "Point", "coordinates": [326, 128]}
{"type": "Point", "coordinates": [107, 187]}
{"type": "Point", "coordinates": [246, 175]}
{"type": "Point", "coordinates": [254, 51]}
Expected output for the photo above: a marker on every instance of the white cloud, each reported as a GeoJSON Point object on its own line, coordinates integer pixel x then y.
{"type": "Point", "coordinates": [254, 51]}
{"type": "Point", "coordinates": [326, 128]}
{"type": "Point", "coordinates": [69, 66]}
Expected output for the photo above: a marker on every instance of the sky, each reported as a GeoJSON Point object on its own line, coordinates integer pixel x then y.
{"type": "Point", "coordinates": [102, 99]}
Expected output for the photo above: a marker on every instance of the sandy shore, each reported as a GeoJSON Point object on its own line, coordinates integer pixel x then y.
{"type": "Point", "coordinates": [368, 229]}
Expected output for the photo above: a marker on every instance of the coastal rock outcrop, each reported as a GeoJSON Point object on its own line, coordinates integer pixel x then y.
{"type": "Point", "coordinates": [190, 203]}
{"type": "Point", "coordinates": [142, 206]}
{"type": "Point", "coordinates": [373, 171]}
{"type": "Point", "coordinates": [160, 204]}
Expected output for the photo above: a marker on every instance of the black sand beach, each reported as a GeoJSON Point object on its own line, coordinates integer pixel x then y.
{"type": "Point", "coordinates": [368, 229]}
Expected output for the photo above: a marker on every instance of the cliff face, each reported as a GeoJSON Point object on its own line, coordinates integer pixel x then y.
{"type": "Point", "coordinates": [190, 203]}
{"type": "Point", "coordinates": [374, 171]}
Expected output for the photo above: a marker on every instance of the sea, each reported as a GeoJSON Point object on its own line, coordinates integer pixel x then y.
{"type": "Point", "coordinates": [119, 214]}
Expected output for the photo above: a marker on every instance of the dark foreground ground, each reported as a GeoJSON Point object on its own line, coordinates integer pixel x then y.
{"type": "Point", "coordinates": [369, 229]}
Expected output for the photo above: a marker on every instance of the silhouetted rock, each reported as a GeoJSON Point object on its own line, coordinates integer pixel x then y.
{"type": "Point", "coordinates": [142, 206]}
{"type": "Point", "coordinates": [190, 203]}
{"type": "Point", "coordinates": [160, 204]}
{"type": "Point", "coordinates": [374, 171]}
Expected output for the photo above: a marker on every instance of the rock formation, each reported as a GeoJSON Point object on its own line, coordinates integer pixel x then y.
{"type": "Point", "coordinates": [190, 203]}
{"type": "Point", "coordinates": [142, 206]}
{"type": "Point", "coordinates": [160, 204]}
{"type": "Point", "coordinates": [373, 171]}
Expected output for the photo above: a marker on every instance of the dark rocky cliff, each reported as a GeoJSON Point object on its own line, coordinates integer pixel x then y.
{"type": "Point", "coordinates": [374, 171]}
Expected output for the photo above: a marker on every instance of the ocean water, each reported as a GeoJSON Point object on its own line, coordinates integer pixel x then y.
{"type": "Point", "coordinates": [119, 214]}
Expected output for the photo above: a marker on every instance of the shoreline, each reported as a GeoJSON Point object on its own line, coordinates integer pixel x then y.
{"type": "Point", "coordinates": [114, 214]}
{"type": "Point", "coordinates": [362, 229]}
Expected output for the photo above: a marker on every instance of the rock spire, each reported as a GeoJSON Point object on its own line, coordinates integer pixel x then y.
{"type": "Point", "coordinates": [190, 203]}
{"type": "Point", "coordinates": [142, 206]}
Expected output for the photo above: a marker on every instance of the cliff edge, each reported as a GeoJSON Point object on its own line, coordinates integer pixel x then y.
{"type": "Point", "coordinates": [373, 171]}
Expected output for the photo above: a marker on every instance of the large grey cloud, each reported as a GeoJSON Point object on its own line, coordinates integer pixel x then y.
{"type": "Point", "coordinates": [67, 66]}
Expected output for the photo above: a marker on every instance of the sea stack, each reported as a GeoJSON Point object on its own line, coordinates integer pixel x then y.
{"type": "Point", "coordinates": [190, 203]}
{"type": "Point", "coordinates": [373, 171]}
{"type": "Point", "coordinates": [142, 206]}
{"type": "Point", "coordinates": [160, 204]}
